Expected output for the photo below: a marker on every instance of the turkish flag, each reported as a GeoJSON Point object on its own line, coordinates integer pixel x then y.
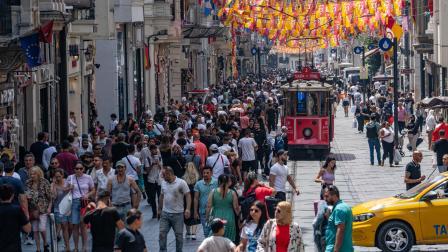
{"type": "Point", "coordinates": [46, 32]}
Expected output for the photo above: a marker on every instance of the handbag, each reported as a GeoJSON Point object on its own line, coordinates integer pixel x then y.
{"type": "Point", "coordinates": [355, 123]}
{"type": "Point", "coordinates": [397, 156]}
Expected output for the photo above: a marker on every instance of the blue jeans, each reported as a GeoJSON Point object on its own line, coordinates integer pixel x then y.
{"type": "Point", "coordinates": [168, 221]}
{"type": "Point", "coordinates": [374, 143]}
{"type": "Point", "coordinates": [204, 224]}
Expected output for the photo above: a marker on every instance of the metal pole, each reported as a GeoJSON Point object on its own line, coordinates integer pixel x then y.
{"type": "Point", "coordinates": [364, 82]}
{"type": "Point", "coordinates": [259, 67]}
{"type": "Point", "coordinates": [395, 62]}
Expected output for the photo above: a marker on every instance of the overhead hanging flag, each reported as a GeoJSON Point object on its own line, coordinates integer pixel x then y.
{"type": "Point", "coordinates": [394, 27]}
{"type": "Point", "coordinates": [31, 49]}
{"type": "Point", "coordinates": [46, 32]}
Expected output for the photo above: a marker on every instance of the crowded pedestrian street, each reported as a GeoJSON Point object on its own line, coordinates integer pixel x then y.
{"type": "Point", "coordinates": [223, 126]}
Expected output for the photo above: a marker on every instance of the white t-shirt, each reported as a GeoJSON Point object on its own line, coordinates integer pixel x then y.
{"type": "Point", "coordinates": [281, 175]}
{"type": "Point", "coordinates": [173, 195]}
{"type": "Point", "coordinates": [14, 175]}
{"type": "Point", "coordinates": [217, 243]}
{"type": "Point", "coordinates": [131, 172]}
{"type": "Point", "coordinates": [221, 162]}
{"type": "Point", "coordinates": [247, 146]}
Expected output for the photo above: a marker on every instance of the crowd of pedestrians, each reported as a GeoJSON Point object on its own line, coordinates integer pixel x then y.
{"type": "Point", "coordinates": [376, 117]}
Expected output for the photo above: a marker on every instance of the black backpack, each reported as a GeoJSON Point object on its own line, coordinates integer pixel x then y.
{"type": "Point", "coordinates": [372, 130]}
{"type": "Point", "coordinates": [246, 203]}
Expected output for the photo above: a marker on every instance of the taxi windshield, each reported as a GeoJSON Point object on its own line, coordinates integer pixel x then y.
{"type": "Point", "coordinates": [411, 193]}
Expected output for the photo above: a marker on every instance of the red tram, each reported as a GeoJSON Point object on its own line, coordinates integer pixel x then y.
{"type": "Point", "coordinates": [307, 114]}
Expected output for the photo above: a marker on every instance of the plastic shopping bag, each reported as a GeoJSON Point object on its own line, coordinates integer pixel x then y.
{"type": "Point", "coordinates": [65, 206]}
{"type": "Point", "coordinates": [397, 156]}
{"type": "Point", "coordinates": [355, 123]}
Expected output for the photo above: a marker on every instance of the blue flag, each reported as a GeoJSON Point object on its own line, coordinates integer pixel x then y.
{"type": "Point", "coordinates": [31, 49]}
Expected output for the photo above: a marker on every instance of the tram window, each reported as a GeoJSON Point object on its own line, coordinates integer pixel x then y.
{"type": "Point", "coordinates": [301, 103]}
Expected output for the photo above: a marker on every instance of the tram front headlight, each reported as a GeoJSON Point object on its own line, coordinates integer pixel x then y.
{"type": "Point", "coordinates": [307, 132]}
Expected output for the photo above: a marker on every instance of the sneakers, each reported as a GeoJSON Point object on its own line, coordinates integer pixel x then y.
{"type": "Point", "coordinates": [187, 236]}
{"type": "Point", "coordinates": [193, 237]}
{"type": "Point", "coordinates": [28, 241]}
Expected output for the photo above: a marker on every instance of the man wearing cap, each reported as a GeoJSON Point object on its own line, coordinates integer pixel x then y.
{"type": "Point", "coordinates": [103, 220]}
{"type": "Point", "coordinates": [217, 162]}
{"type": "Point", "coordinates": [120, 187]}
{"type": "Point", "coordinates": [192, 157]}
{"type": "Point", "coordinates": [372, 133]}
{"type": "Point", "coordinates": [279, 175]}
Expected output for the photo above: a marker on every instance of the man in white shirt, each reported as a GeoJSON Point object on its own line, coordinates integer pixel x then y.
{"type": "Point", "coordinates": [46, 155]}
{"type": "Point", "coordinates": [171, 210]}
{"type": "Point", "coordinates": [103, 175]}
{"type": "Point", "coordinates": [217, 161]}
{"type": "Point", "coordinates": [113, 122]}
{"type": "Point", "coordinates": [247, 147]}
{"type": "Point", "coordinates": [225, 147]}
{"type": "Point", "coordinates": [279, 175]}
{"type": "Point", "coordinates": [133, 164]}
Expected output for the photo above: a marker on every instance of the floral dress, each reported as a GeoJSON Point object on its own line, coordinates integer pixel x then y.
{"type": "Point", "coordinates": [39, 199]}
{"type": "Point", "coordinates": [267, 240]}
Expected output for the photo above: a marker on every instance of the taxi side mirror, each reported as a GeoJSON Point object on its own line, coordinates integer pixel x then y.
{"type": "Point", "coordinates": [431, 195]}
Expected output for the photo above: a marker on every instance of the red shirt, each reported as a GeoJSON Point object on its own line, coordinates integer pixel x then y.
{"type": "Point", "coordinates": [435, 133]}
{"type": "Point", "coordinates": [282, 238]}
{"type": "Point", "coordinates": [260, 193]}
{"type": "Point", "coordinates": [67, 161]}
{"type": "Point", "coordinates": [201, 150]}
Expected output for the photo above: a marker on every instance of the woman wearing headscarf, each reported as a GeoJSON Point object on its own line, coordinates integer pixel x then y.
{"type": "Point", "coordinates": [281, 234]}
{"type": "Point", "coordinates": [430, 126]}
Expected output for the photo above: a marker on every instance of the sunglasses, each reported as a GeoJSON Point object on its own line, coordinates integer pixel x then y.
{"type": "Point", "coordinates": [79, 168]}
{"type": "Point", "coordinates": [278, 210]}
{"type": "Point", "coordinates": [254, 210]}
{"type": "Point", "coordinates": [54, 163]}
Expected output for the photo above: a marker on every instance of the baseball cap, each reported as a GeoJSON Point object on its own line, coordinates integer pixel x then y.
{"type": "Point", "coordinates": [216, 224]}
{"type": "Point", "coordinates": [214, 147]}
{"type": "Point", "coordinates": [120, 163]}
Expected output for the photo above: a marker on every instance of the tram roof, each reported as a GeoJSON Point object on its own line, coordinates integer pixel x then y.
{"type": "Point", "coordinates": [300, 85]}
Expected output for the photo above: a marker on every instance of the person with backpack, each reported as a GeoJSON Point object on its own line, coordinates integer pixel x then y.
{"type": "Point", "coordinates": [372, 130]}
{"type": "Point", "coordinates": [281, 141]}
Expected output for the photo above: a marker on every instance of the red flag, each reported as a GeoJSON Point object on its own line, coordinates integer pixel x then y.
{"type": "Point", "coordinates": [147, 59]}
{"type": "Point", "coordinates": [46, 32]}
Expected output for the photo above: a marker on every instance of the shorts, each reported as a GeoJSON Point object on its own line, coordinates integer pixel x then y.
{"type": "Point", "coordinates": [75, 216]}
{"type": "Point", "coordinates": [40, 224]}
{"type": "Point", "coordinates": [60, 218]}
{"type": "Point", "coordinates": [249, 165]}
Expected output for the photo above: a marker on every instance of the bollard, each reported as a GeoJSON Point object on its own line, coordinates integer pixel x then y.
{"type": "Point", "coordinates": [53, 235]}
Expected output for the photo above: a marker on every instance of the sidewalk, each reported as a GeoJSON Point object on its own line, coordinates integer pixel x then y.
{"type": "Point", "coordinates": [356, 179]}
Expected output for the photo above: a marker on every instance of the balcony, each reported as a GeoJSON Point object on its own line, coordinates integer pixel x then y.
{"type": "Point", "coordinates": [195, 17]}
{"type": "Point", "coordinates": [196, 25]}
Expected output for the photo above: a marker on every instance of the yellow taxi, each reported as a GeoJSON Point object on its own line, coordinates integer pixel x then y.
{"type": "Point", "coordinates": [415, 217]}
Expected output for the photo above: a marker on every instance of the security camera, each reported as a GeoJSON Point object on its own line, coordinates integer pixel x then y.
{"type": "Point", "coordinates": [97, 66]}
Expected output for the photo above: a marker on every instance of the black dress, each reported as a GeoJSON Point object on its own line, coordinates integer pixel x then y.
{"type": "Point", "coordinates": [191, 221]}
